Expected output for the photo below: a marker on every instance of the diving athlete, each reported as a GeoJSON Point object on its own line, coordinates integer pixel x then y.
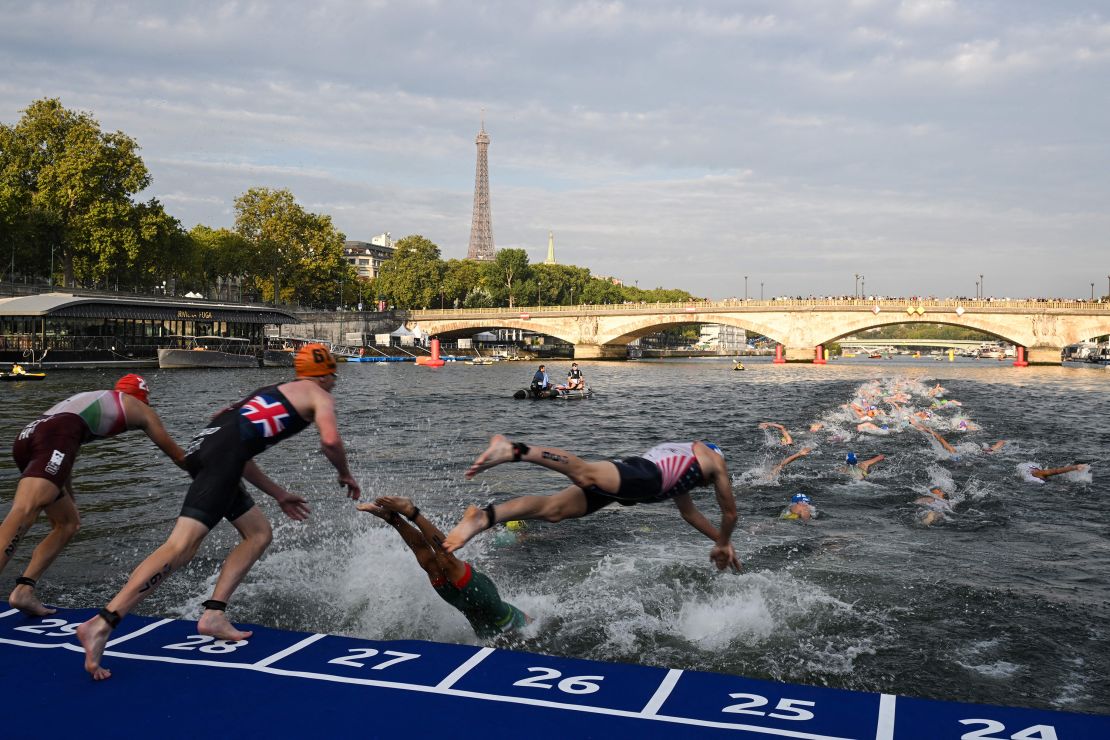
{"type": "Point", "coordinates": [666, 471]}
{"type": "Point", "coordinates": [456, 581]}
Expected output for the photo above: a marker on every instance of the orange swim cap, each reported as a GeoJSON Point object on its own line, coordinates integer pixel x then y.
{"type": "Point", "coordinates": [134, 385]}
{"type": "Point", "coordinates": [314, 361]}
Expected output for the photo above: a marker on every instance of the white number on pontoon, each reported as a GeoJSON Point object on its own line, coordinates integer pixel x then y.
{"type": "Point", "coordinates": [194, 642]}
{"type": "Point", "coordinates": [360, 653]}
{"type": "Point", "coordinates": [569, 685]}
{"type": "Point", "coordinates": [785, 709]}
{"type": "Point", "coordinates": [65, 628]}
{"type": "Point", "coordinates": [1036, 732]}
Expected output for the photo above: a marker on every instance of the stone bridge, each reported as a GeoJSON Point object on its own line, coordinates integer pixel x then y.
{"type": "Point", "coordinates": [801, 326]}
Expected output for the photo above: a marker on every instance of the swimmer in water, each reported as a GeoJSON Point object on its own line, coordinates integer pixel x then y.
{"type": "Point", "coordinates": [800, 508]}
{"type": "Point", "coordinates": [796, 456]}
{"type": "Point", "coordinates": [455, 581]}
{"type": "Point", "coordinates": [943, 442]}
{"type": "Point", "coordinates": [991, 449]}
{"type": "Point", "coordinates": [859, 469]}
{"type": "Point", "coordinates": [937, 504]}
{"type": "Point", "coordinates": [1045, 473]}
{"type": "Point", "coordinates": [868, 427]}
{"type": "Point", "coordinates": [667, 471]}
{"type": "Point", "coordinates": [786, 438]}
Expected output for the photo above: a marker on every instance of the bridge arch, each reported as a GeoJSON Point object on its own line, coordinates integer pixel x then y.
{"type": "Point", "coordinates": [641, 326]}
{"type": "Point", "coordinates": [456, 329]}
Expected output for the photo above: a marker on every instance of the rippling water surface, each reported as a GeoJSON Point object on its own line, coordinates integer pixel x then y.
{"type": "Point", "coordinates": [1005, 602]}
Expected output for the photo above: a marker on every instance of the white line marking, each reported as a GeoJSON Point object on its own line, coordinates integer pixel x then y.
{"type": "Point", "coordinates": [289, 650]}
{"type": "Point", "coordinates": [662, 692]}
{"type": "Point", "coordinates": [885, 728]}
{"type": "Point", "coordinates": [21, 643]}
{"type": "Point", "coordinates": [9, 612]}
{"type": "Point", "coordinates": [462, 670]}
{"type": "Point", "coordinates": [136, 633]}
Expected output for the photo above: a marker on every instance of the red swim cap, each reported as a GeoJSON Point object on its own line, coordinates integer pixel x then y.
{"type": "Point", "coordinates": [134, 385]}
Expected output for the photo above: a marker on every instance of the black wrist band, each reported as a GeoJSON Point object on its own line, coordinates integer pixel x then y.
{"type": "Point", "coordinates": [415, 513]}
{"type": "Point", "coordinates": [25, 581]}
{"type": "Point", "coordinates": [215, 605]}
{"type": "Point", "coordinates": [519, 450]}
{"type": "Point", "coordinates": [491, 518]}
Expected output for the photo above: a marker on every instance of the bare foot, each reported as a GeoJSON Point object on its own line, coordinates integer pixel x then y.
{"type": "Point", "coordinates": [93, 635]}
{"type": "Point", "coordinates": [215, 624]}
{"type": "Point", "coordinates": [399, 504]}
{"type": "Point", "coordinates": [23, 598]}
{"type": "Point", "coordinates": [473, 522]}
{"type": "Point", "coordinates": [500, 450]}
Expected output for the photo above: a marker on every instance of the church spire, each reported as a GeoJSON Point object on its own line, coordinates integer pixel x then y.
{"type": "Point", "coordinates": [550, 249]}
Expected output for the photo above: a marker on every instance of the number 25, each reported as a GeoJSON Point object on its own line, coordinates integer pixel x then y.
{"type": "Point", "coordinates": [785, 705]}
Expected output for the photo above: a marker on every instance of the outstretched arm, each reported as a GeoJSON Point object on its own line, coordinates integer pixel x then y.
{"type": "Point", "coordinates": [942, 440]}
{"type": "Point", "coordinates": [332, 444]}
{"type": "Point", "coordinates": [786, 438]}
{"type": "Point", "coordinates": [799, 454]}
{"type": "Point", "coordinates": [293, 506]}
{"type": "Point", "coordinates": [149, 421]}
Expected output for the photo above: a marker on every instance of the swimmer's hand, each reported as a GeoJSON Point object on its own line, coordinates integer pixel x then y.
{"type": "Point", "coordinates": [293, 506]}
{"type": "Point", "coordinates": [724, 557]}
{"type": "Point", "coordinates": [353, 489]}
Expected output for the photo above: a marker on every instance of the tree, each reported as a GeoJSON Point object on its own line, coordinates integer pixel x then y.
{"type": "Point", "coordinates": [509, 266]}
{"type": "Point", "coordinates": [289, 242]}
{"type": "Point", "coordinates": [463, 285]}
{"type": "Point", "coordinates": [414, 277]}
{"type": "Point", "coordinates": [65, 180]}
{"type": "Point", "coordinates": [218, 255]}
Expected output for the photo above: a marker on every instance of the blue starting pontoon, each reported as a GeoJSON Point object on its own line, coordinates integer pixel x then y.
{"type": "Point", "coordinates": [169, 682]}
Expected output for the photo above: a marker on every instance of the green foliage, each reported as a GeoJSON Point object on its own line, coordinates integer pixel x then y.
{"type": "Point", "coordinates": [297, 256]}
{"type": "Point", "coordinates": [506, 274]}
{"type": "Point", "coordinates": [926, 331]}
{"type": "Point", "coordinates": [69, 186]}
{"type": "Point", "coordinates": [415, 275]}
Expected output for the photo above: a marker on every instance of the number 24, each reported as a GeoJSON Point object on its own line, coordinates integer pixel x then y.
{"type": "Point", "coordinates": [1036, 732]}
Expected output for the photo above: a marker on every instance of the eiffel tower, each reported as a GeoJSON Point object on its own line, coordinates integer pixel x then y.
{"type": "Point", "coordinates": [481, 228]}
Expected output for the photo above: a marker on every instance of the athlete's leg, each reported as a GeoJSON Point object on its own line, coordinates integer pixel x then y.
{"type": "Point", "coordinates": [603, 474]}
{"type": "Point", "coordinates": [174, 553]}
{"type": "Point", "coordinates": [64, 523]}
{"type": "Point", "coordinates": [256, 534]}
{"type": "Point", "coordinates": [569, 503]}
{"type": "Point", "coordinates": [32, 495]}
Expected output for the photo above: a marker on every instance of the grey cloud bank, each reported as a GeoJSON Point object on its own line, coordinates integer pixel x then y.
{"type": "Point", "coordinates": [684, 145]}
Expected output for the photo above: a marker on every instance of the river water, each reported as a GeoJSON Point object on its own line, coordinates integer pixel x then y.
{"type": "Point", "coordinates": [1005, 602]}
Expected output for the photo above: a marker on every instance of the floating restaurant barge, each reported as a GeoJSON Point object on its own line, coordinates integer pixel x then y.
{"type": "Point", "coordinates": [88, 330]}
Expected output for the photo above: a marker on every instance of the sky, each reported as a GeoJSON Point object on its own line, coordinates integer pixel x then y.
{"type": "Point", "coordinates": [916, 143]}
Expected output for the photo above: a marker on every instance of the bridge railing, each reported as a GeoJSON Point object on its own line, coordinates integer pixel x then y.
{"type": "Point", "coordinates": [884, 304]}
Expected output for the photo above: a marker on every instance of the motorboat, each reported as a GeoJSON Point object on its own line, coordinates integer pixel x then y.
{"type": "Point", "coordinates": [208, 351]}
{"type": "Point", "coordinates": [555, 392]}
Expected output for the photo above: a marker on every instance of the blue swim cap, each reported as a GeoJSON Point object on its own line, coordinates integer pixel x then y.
{"type": "Point", "coordinates": [851, 459]}
{"type": "Point", "coordinates": [799, 498]}
{"type": "Point", "coordinates": [715, 448]}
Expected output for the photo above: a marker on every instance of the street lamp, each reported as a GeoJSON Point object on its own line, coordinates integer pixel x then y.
{"type": "Point", "coordinates": [976, 290]}
{"type": "Point", "coordinates": [539, 293]}
{"type": "Point", "coordinates": [862, 287]}
{"type": "Point", "coordinates": [982, 288]}
{"type": "Point", "coordinates": [855, 291]}
{"type": "Point", "coordinates": [1092, 292]}
{"type": "Point", "coordinates": [745, 287]}
{"type": "Point", "coordinates": [761, 290]}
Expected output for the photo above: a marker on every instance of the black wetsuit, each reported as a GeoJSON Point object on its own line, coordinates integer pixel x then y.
{"type": "Point", "coordinates": [217, 455]}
